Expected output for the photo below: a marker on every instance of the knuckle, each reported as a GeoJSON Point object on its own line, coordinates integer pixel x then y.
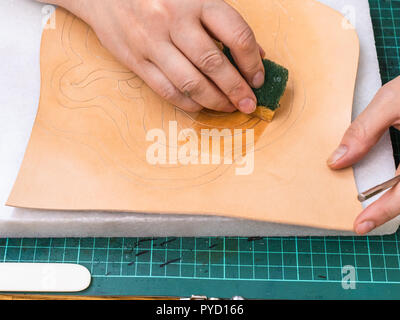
{"type": "Point", "coordinates": [389, 93]}
{"type": "Point", "coordinates": [157, 10]}
{"type": "Point", "coordinates": [133, 60]}
{"type": "Point", "coordinates": [245, 38]}
{"type": "Point", "coordinates": [169, 92]}
{"type": "Point", "coordinates": [358, 133]}
{"type": "Point", "coordinates": [128, 59]}
{"type": "Point", "coordinates": [388, 100]}
{"type": "Point", "coordinates": [211, 61]}
{"type": "Point", "coordinates": [253, 66]}
{"type": "Point", "coordinates": [236, 88]}
{"type": "Point", "coordinates": [192, 86]}
{"type": "Point", "coordinates": [386, 214]}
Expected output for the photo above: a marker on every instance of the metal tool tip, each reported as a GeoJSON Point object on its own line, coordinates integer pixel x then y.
{"type": "Point", "coordinates": [361, 197]}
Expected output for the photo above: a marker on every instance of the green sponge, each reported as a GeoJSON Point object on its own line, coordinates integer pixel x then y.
{"type": "Point", "coordinates": [276, 78]}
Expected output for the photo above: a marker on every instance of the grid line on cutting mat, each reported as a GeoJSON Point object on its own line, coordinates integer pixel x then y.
{"type": "Point", "coordinates": [295, 259]}
{"type": "Point", "coordinates": [317, 259]}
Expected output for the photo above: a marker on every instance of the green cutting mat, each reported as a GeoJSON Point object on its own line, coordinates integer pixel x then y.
{"type": "Point", "coordinates": [282, 268]}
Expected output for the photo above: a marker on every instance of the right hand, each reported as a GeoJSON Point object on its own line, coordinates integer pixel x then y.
{"type": "Point", "coordinates": [382, 113]}
{"type": "Point", "coordinates": [169, 44]}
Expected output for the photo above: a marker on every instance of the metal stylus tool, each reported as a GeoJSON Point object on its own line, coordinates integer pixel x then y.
{"type": "Point", "coordinates": [378, 189]}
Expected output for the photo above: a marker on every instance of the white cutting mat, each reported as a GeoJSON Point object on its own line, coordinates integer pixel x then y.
{"type": "Point", "coordinates": [20, 35]}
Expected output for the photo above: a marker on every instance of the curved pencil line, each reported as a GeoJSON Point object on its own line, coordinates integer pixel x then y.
{"type": "Point", "coordinates": [99, 106]}
{"type": "Point", "coordinates": [79, 84]}
{"type": "Point", "coordinates": [76, 55]}
{"type": "Point", "coordinates": [89, 100]}
{"type": "Point", "coordinates": [128, 170]}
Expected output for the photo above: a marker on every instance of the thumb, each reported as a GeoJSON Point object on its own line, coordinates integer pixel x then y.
{"type": "Point", "coordinates": [367, 129]}
{"type": "Point", "coordinates": [381, 211]}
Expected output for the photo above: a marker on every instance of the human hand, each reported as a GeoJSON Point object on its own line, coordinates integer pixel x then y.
{"type": "Point", "coordinates": [169, 44]}
{"type": "Point", "coordinates": [382, 113]}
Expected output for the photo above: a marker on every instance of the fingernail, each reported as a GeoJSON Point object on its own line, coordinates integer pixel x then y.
{"type": "Point", "coordinates": [247, 105]}
{"type": "Point", "coordinates": [365, 227]}
{"type": "Point", "coordinates": [258, 79]}
{"type": "Point", "coordinates": [337, 154]}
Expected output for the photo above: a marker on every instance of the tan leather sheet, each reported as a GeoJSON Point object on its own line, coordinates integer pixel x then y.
{"type": "Point", "coordinates": [88, 146]}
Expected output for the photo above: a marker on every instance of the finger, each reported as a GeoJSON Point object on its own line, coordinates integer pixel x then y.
{"type": "Point", "coordinates": [156, 80]}
{"type": "Point", "coordinates": [230, 28]}
{"type": "Point", "coordinates": [381, 211]}
{"type": "Point", "coordinates": [189, 80]}
{"type": "Point", "coordinates": [203, 52]}
{"type": "Point", "coordinates": [366, 130]}
{"type": "Point", "coordinates": [220, 45]}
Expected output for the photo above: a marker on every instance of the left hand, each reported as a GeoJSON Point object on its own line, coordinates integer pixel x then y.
{"type": "Point", "coordinates": [382, 113]}
{"type": "Point", "coordinates": [170, 45]}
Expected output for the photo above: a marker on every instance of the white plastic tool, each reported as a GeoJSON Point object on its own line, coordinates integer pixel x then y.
{"type": "Point", "coordinates": [43, 277]}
